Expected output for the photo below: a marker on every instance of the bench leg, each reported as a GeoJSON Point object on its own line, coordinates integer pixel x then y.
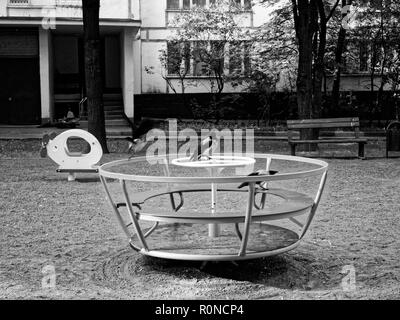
{"type": "Point", "coordinates": [293, 149]}
{"type": "Point", "coordinates": [361, 150]}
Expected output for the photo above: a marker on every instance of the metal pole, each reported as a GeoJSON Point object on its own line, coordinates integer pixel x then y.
{"type": "Point", "coordinates": [213, 229]}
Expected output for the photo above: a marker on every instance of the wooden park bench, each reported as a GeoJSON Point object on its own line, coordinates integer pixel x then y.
{"type": "Point", "coordinates": [353, 123]}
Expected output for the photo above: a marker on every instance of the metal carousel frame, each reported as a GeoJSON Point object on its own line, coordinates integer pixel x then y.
{"type": "Point", "coordinates": [294, 204]}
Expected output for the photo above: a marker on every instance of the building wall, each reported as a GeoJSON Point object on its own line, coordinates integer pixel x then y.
{"type": "Point", "coordinates": [140, 48]}
{"type": "Point", "coordinates": [356, 82]}
{"type": "Point", "coordinates": [109, 9]}
{"type": "Point", "coordinates": [51, 17]}
{"type": "Point", "coordinates": [153, 37]}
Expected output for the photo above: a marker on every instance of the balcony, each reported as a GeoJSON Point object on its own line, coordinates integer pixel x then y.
{"type": "Point", "coordinates": [68, 9]}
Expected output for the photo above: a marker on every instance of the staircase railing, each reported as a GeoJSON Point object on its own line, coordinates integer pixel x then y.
{"type": "Point", "coordinates": [82, 107]}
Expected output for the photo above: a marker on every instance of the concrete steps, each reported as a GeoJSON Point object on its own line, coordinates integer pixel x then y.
{"type": "Point", "coordinates": [113, 111]}
{"type": "Point", "coordinates": [119, 122]}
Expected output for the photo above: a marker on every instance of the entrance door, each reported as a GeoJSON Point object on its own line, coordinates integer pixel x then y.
{"type": "Point", "coordinates": [19, 91]}
{"type": "Point", "coordinates": [69, 70]}
{"type": "Point", "coordinates": [19, 77]}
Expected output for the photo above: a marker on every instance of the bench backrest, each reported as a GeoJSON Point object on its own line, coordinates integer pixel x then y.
{"type": "Point", "coordinates": [325, 123]}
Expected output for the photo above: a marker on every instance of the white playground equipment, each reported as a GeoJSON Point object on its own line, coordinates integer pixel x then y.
{"type": "Point", "coordinates": [178, 232]}
{"type": "Point", "coordinates": [72, 162]}
{"type": "Point", "coordinates": [214, 165]}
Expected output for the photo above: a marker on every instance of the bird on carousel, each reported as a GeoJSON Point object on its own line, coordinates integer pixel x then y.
{"type": "Point", "coordinates": [261, 184]}
{"type": "Point", "coordinates": [212, 142]}
{"type": "Point", "coordinates": [138, 140]}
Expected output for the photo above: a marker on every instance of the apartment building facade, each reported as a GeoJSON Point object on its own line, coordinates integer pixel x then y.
{"type": "Point", "coordinates": [42, 60]}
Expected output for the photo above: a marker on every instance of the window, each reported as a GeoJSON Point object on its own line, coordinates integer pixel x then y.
{"type": "Point", "coordinates": [172, 4]}
{"type": "Point", "coordinates": [200, 58]}
{"type": "Point", "coordinates": [363, 57]}
{"type": "Point", "coordinates": [207, 58]}
{"type": "Point", "coordinates": [199, 3]}
{"type": "Point", "coordinates": [247, 4]}
{"type": "Point", "coordinates": [239, 57]}
{"type": "Point", "coordinates": [246, 58]}
{"type": "Point", "coordinates": [379, 4]}
{"type": "Point", "coordinates": [178, 58]}
{"type": "Point", "coordinates": [217, 52]}
{"type": "Point", "coordinates": [235, 57]}
{"type": "Point", "coordinates": [186, 4]}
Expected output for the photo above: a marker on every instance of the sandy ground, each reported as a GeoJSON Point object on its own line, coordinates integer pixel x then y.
{"type": "Point", "coordinates": [46, 221]}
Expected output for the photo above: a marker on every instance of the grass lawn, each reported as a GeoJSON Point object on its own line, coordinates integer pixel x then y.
{"type": "Point", "coordinates": [45, 220]}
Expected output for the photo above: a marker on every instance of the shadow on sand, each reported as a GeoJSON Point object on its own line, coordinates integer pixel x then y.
{"type": "Point", "coordinates": [286, 271]}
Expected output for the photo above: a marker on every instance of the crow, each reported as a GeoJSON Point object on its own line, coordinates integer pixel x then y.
{"type": "Point", "coordinates": [138, 140]}
{"type": "Point", "coordinates": [262, 184]}
{"type": "Point", "coordinates": [212, 144]}
{"type": "Point", "coordinates": [45, 141]}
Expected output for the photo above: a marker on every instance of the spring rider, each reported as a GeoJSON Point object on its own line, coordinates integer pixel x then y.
{"type": "Point", "coordinates": [55, 146]}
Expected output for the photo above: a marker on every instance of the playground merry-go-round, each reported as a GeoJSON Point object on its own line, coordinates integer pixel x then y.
{"type": "Point", "coordinates": [224, 208]}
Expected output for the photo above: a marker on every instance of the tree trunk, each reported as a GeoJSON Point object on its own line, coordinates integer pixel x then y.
{"type": "Point", "coordinates": [338, 68]}
{"type": "Point", "coordinates": [93, 74]}
{"type": "Point", "coordinates": [305, 18]}
{"type": "Point", "coordinates": [338, 61]}
{"type": "Point", "coordinates": [372, 84]}
{"type": "Point", "coordinates": [304, 80]}
{"type": "Point", "coordinates": [319, 60]}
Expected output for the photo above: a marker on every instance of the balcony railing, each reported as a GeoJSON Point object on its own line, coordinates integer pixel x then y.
{"type": "Point", "coordinates": [69, 8]}
{"type": "Point", "coordinates": [18, 2]}
{"type": "Point", "coordinates": [47, 3]}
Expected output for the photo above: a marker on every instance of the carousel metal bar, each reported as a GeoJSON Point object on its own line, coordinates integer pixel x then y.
{"type": "Point", "coordinates": [235, 179]}
{"type": "Point", "coordinates": [171, 195]}
{"type": "Point", "coordinates": [239, 234]}
{"type": "Point", "coordinates": [247, 221]}
{"type": "Point", "coordinates": [223, 257]}
{"type": "Point", "coordinates": [114, 207]}
{"type": "Point", "coordinates": [150, 231]}
{"type": "Point", "coordinates": [264, 195]}
{"type": "Point", "coordinates": [133, 217]}
{"type": "Point", "coordinates": [295, 221]}
{"type": "Point", "coordinates": [315, 205]}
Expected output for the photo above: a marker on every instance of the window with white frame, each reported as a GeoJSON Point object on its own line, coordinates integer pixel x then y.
{"type": "Point", "coordinates": [200, 58]}
{"type": "Point", "coordinates": [239, 58]}
{"type": "Point", "coordinates": [208, 58]}
{"type": "Point", "coordinates": [178, 60]}
{"type": "Point", "coordinates": [245, 4]}
{"type": "Point", "coordinates": [199, 3]}
{"type": "Point", "coordinates": [173, 4]}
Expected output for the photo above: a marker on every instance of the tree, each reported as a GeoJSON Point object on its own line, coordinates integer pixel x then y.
{"type": "Point", "coordinates": [175, 59]}
{"type": "Point", "coordinates": [311, 19]}
{"type": "Point", "coordinates": [205, 33]}
{"type": "Point", "coordinates": [93, 74]}
{"type": "Point", "coordinates": [339, 50]}
{"type": "Point", "coordinates": [377, 32]}
{"type": "Point", "coordinates": [273, 56]}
